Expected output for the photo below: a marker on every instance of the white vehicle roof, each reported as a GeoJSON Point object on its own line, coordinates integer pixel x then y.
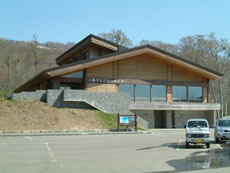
{"type": "Point", "coordinates": [225, 118]}
{"type": "Point", "coordinates": [198, 119]}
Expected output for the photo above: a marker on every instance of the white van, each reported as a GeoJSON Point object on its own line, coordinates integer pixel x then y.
{"type": "Point", "coordinates": [197, 132]}
{"type": "Point", "coordinates": [222, 129]}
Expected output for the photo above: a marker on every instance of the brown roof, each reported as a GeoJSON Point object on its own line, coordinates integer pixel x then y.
{"type": "Point", "coordinates": [78, 66]}
{"type": "Point", "coordinates": [87, 40]}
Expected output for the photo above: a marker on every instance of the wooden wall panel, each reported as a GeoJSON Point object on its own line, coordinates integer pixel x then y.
{"type": "Point", "coordinates": [144, 67]}
{"type": "Point", "coordinates": [104, 88]}
{"type": "Point", "coordinates": [169, 94]}
{"type": "Point", "coordinates": [181, 74]}
{"type": "Point", "coordinates": [116, 70]}
{"type": "Point", "coordinates": [101, 71]}
{"type": "Point", "coordinates": [205, 94]}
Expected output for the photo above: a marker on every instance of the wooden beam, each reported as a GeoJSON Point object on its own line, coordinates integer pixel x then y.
{"type": "Point", "coordinates": [104, 44]}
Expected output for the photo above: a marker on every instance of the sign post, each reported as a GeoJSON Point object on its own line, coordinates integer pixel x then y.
{"type": "Point", "coordinates": [126, 120]}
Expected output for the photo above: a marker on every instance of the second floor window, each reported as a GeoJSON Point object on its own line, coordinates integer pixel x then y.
{"type": "Point", "coordinates": [192, 94]}
{"type": "Point", "coordinates": [85, 55]}
{"type": "Point", "coordinates": [158, 93]}
{"type": "Point", "coordinates": [195, 94]}
{"type": "Point", "coordinates": [143, 93]}
{"type": "Point", "coordinates": [128, 89]}
{"type": "Point", "coordinates": [179, 94]}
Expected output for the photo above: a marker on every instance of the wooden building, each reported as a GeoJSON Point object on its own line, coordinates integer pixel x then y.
{"type": "Point", "coordinates": [162, 87]}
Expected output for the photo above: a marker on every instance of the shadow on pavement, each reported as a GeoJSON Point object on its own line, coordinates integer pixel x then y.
{"type": "Point", "coordinates": [215, 158]}
{"type": "Point", "coordinates": [175, 145]}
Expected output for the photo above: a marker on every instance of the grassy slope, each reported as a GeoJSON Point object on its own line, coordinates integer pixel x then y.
{"type": "Point", "coordinates": [35, 115]}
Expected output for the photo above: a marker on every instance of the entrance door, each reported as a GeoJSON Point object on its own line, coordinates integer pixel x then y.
{"type": "Point", "coordinates": [160, 119]}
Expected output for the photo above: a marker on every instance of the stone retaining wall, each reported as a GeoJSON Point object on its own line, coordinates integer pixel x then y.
{"type": "Point", "coordinates": [31, 95]}
{"type": "Point", "coordinates": [106, 102]}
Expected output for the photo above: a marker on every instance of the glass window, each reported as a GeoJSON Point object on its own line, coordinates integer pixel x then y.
{"type": "Point", "coordinates": [224, 123]}
{"type": "Point", "coordinates": [85, 55]}
{"type": "Point", "coordinates": [75, 75]}
{"type": "Point", "coordinates": [179, 94]}
{"type": "Point", "coordinates": [158, 93]}
{"type": "Point", "coordinates": [195, 124]}
{"type": "Point", "coordinates": [128, 89]}
{"type": "Point", "coordinates": [195, 94]}
{"type": "Point", "coordinates": [143, 93]}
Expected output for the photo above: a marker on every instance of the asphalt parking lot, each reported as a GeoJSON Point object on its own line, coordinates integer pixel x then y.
{"type": "Point", "coordinates": [162, 151]}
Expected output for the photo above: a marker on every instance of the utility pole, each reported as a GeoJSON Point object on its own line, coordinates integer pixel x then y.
{"type": "Point", "coordinates": [35, 53]}
{"type": "Point", "coordinates": [9, 54]}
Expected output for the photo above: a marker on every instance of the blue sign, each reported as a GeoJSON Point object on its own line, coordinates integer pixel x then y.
{"type": "Point", "coordinates": [124, 120]}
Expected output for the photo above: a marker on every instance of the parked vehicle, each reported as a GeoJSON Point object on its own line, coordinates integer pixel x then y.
{"type": "Point", "coordinates": [222, 130]}
{"type": "Point", "coordinates": [197, 132]}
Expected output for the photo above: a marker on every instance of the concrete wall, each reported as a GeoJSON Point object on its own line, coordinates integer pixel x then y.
{"type": "Point", "coordinates": [181, 117]}
{"type": "Point", "coordinates": [55, 98]}
{"type": "Point", "coordinates": [106, 102]}
{"type": "Point", "coordinates": [33, 95]}
{"type": "Point", "coordinates": [211, 118]}
{"type": "Point", "coordinates": [145, 118]}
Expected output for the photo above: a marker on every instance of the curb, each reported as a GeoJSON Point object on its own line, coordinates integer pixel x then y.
{"type": "Point", "coordinates": [68, 133]}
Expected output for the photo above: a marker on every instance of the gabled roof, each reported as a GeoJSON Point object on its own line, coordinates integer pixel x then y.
{"type": "Point", "coordinates": [87, 40]}
{"type": "Point", "coordinates": [132, 52]}
{"type": "Point", "coordinates": [81, 65]}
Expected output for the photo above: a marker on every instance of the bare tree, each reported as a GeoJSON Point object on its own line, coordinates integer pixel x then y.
{"type": "Point", "coordinates": [118, 37]}
{"type": "Point", "coordinates": [214, 53]}
{"type": "Point", "coordinates": [172, 48]}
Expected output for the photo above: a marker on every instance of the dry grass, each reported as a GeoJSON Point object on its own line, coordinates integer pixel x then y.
{"type": "Point", "coordinates": [35, 115]}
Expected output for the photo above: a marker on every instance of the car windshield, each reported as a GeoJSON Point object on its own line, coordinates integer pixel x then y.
{"type": "Point", "coordinates": [224, 123]}
{"type": "Point", "coordinates": [195, 124]}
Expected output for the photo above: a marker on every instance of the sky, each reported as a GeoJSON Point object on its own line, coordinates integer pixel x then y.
{"type": "Point", "coordinates": [72, 20]}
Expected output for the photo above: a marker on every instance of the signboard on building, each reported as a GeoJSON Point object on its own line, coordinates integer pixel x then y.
{"type": "Point", "coordinates": [102, 80]}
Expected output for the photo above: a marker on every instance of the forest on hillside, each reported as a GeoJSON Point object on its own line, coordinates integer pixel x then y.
{"type": "Point", "coordinates": [20, 60]}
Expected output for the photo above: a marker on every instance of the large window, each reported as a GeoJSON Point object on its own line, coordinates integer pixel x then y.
{"type": "Point", "coordinates": [195, 94]}
{"type": "Point", "coordinates": [143, 93]}
{"type": "Point", "coordinates": [179, 94]}
{"type": "Point", "coordinates": [128, 89]}
{"type": "Point", "coordinates": [158, 93]}
{"type": "Point", "coordinates": [75, 75]}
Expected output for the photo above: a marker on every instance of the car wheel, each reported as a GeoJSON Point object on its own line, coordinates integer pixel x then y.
{"type": "Point", "coordinates": [208, 145]}
{"type": "Point", "coordinates": [187, 145]}
{"type": "Point", "coordinates": [217, 140]}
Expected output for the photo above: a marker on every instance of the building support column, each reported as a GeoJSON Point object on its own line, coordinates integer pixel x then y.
{"type": "Point", "coordinates": [168, 116]}
{"type": "Point", "coordinates": [214, 118]}
{"type": "Point", "coordinates": [211, 116]}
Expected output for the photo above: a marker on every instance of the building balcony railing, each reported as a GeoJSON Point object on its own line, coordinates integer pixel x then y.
{"type": "Point", "coordinates": [174, 106]}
